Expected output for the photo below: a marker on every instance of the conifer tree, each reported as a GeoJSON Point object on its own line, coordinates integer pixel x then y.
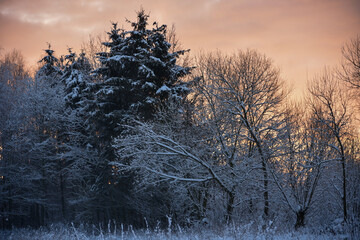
{"type": "Point", "coordinates": [51, 68]}
{"type": "Point", "coordinates": [77, 80]}
{"type": "Point", "coordinates": [139, 73]}
{"type": "Point", "coordinates": [32, 127]}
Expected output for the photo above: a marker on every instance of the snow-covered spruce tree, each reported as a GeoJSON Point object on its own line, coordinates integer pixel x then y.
{"type": "Point", "coordinates": [31, 145]}
{"type": "Point", "coordinates": [138, 75]}
{"type": "Point", "coordinates": [46, 105]}
{"type": "Point", "coordinates": [55, 155]}
{"type": "Point", "coordinates": [56, 141]}
{"type": "Point", "coordinates": [77, 151]}
{"type": "Point", "coordinates": [14, 79]}
{"type": "Point", "coordinates": [77, 80]}
{"type": "Point", "coordinates": [51, 68]}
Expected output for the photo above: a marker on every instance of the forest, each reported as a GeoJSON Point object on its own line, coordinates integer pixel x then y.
{"type": "Point", "coordinates": [135, 131]}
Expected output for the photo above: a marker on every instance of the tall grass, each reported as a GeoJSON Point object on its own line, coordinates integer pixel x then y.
{"type": "Point", "coordinates": [112, 231]}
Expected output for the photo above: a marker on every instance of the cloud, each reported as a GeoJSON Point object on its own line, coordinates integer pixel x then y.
{"type": "Point", "coordinates": [35, 18]}
{"type": "Point", "coordinates": [97, 4]}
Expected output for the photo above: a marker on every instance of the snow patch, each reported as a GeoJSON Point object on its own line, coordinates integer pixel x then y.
{"type": "Point", "coordinates": [164, 88]}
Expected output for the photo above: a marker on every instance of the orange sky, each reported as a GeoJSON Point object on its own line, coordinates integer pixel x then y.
{"type": "Point", "coordinates": [301, 36]}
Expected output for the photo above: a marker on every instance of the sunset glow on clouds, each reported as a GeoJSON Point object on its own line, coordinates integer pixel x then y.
{"type": "Point", "coordinates": [301, 36]}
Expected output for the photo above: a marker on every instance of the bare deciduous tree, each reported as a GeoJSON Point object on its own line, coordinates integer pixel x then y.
{"type": "Point", "coordinates": [351, 65]}
{"type": "Point", "coordinates": [250, 89]}
{"type": "Point", "coordinates": [297, 169]}
{"type": "Point", "coordinates": [93, 46]}
{"type": "Point", "coordinates": [331, 105]}
{"type": "Point", "coordinates": [169, 149]}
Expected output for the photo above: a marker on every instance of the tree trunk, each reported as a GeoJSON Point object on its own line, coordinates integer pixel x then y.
{"type": "Point", "coordinates": [344, 188]}
{"type": "Point", "coordinates": [204, 204]}
{"type": "Point", "coordinates": [266, 190]}
{"type": "Point", "coordinates": [42, 215]}
{"type": "Point", "coordinates": [230, 207]}
{"type": "Point", "coordinates": [300, 219]}
{"type": "Point", "coordinates": [62, 186]}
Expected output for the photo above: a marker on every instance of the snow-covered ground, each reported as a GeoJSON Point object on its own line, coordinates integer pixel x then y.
{"type": "Point", "coordinates": [60, 232]}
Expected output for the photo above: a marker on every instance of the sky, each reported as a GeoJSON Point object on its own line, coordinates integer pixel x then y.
{"type": "Point", "coordinates": [300, 36]}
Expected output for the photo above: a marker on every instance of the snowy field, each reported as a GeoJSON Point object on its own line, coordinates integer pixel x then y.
{"type": "Point", "coordinates": [60, 232]}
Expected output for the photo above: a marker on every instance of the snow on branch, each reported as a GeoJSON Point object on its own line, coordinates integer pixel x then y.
{"type": "Point", "coordinates": [159, 155]}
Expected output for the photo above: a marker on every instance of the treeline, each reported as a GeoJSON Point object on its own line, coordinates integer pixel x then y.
{"type": "Point", "coordinates": [138, 135]}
